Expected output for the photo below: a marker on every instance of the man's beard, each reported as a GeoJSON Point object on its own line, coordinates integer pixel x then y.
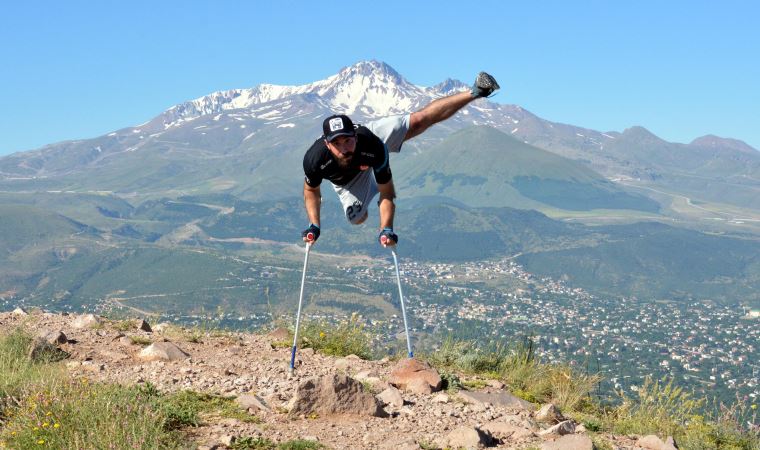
{"type": "Point", "coordinates": [345, 160]}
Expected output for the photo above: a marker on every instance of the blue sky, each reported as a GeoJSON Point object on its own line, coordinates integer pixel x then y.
{"type": "Point", "coordinates": [76, 69]}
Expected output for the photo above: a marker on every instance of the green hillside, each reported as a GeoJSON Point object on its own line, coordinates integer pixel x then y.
{"type": "Point", "coordinates": [482, 166]}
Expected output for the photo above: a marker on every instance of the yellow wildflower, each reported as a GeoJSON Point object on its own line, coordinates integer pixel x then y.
{"type": "Point", "coordinates": [41, 441]}
{"type": "Point", "coordinates": [322, 334]}
{"type": "Point", "coordinates": [36, 429]}
{"type": "Point", "coordinates": [57, 425]}
{"type": "Point", "coordinates": [754, 406]}
{"type": "Point", "coordinates": [48, 413]}
{"type": "Point", "coordinates": [45, 425]}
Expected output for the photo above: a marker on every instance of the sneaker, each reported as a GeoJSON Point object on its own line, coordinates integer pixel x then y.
{"type": "Point", "coordinates": [484, 86]}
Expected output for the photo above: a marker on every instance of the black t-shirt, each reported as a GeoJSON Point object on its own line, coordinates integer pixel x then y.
{"type": "Point", "coordinates": [319, 163]}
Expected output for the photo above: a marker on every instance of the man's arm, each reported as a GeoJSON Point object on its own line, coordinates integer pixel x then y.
{"type": "Point", "coordinates": [387, 207]}
{"type": "Point", "coordinates": [312, 200]}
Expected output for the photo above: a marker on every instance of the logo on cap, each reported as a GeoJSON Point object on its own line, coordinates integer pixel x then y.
{"type": "Point", "coordinates": [336, 124]}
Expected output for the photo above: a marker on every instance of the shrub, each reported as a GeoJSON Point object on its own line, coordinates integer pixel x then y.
{"type": "Point", "coordinates": [346, 338]}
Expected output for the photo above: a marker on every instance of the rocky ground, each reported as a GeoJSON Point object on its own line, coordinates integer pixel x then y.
{"type": "Point", "coordinates": [344, 403]}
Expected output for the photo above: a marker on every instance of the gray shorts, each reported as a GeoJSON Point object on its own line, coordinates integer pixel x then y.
{"type": "Point", "coordinates": [357, 194]}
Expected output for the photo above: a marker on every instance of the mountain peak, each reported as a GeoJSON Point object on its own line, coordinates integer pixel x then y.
{"type": "Point", "coordinates": [450, 86]}
{"type": "Point", "coordinates": [640, 134]}
{"type": "Point", "coordinates": [712, 141]}
{"type": "Point", "coordinates": [371, 68]}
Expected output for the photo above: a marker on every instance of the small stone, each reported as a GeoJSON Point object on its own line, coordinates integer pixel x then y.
{"type": "Point", "coordinates": [20, 312]}
{"type": "Point", "coordinates": [144, 326]}
{"type": "Point", "coordinates": [391, 396]}
{"type": "Point", "coordinates": [227, 440]}
{"type": "Point", "coordinates": [441, 398]}
{"type": "Point", "coordinates": [570, 442]}
{"type": "Point", "coordinates": [549, 413]}
{"type": "Point", "coordinates": [652, 442]}
{"type": "Point", "coordinates": [561, 429]}
{"type": "Point", "coordinates": [86, 321]}
{"type": "Point", "coordinates": [511, 431]}
{"type": "Point", "coordinates": [496, 384]}
{"type": "Point", "coordinates": [469, 438]}
{"type": "Point", "coordinates": [161, 327]}
{"type": "Point", "coordinates": [670, 444]}
{"type": "Point", "coordinates": [54, 337]}
{"type": "Point", "coordinates": [279, 334]}
{"type": "Point", "coordinates": [162, 351]}
{"type": "Point", "coordinates": [367, 376]}
{"type": "Point", "coordinates": [252, 401]}
{"type": "Point", "coordinates": [41, 350]}
{"type": "Point", "coordinates": [92, 366]}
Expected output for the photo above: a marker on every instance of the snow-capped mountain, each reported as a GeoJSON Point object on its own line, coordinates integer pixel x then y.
{"type": "Point", "coordinates": [369, 88]}
{"type": "Point", "coordinates": [243, 139]}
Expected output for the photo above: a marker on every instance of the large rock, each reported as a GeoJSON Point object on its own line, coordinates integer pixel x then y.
{"type": "Point", "coordinates": [334, 394]}
{"type": "Point", "coordinates": [468, 438]}
{"type": "Point", "coordinates": [20, 312]}
{"type": "Point", "coordinates": [502, 399]}
{"type": "Point", "coordinates": [409, 370]}
{"type": "Point", "coordinates": [163, 351]}
{"type": "Point", "coordinates": [570, 442]}
{"type": "Point", "coordinates": [86, 321]}
{"type": "Point", "coordinates": [549, 413]}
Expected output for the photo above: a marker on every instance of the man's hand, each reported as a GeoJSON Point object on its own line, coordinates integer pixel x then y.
{"type": "Point", "coordinates": [310, 234]}
{"type": "Point", "coordinates": [387, 237]}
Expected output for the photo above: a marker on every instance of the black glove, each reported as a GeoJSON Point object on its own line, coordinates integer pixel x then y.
{"type": "Point", "coordinates": [388, 237]}
{"type": "Point", "coordinates": [311, 234]}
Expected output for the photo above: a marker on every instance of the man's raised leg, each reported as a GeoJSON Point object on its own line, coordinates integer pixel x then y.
{"type": "Point", "coordinates": [443, 108]}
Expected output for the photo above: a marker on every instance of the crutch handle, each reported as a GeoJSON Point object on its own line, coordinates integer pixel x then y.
{"type": "Point", "coordinates": [310, 237]}
{"type": "Point", "coordinates": [383, 240]}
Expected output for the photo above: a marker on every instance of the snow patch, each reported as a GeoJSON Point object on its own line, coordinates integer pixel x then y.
{"type": "Point", "coordinates": [607, 135]}
{"type": "Point", "coordinates": [515, 130]}
{"type": "Point", "coordinates": [286, 125]}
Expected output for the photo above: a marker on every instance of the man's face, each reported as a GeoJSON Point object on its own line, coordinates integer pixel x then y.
{"type": "Point", "coordinates": [342, 148]}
